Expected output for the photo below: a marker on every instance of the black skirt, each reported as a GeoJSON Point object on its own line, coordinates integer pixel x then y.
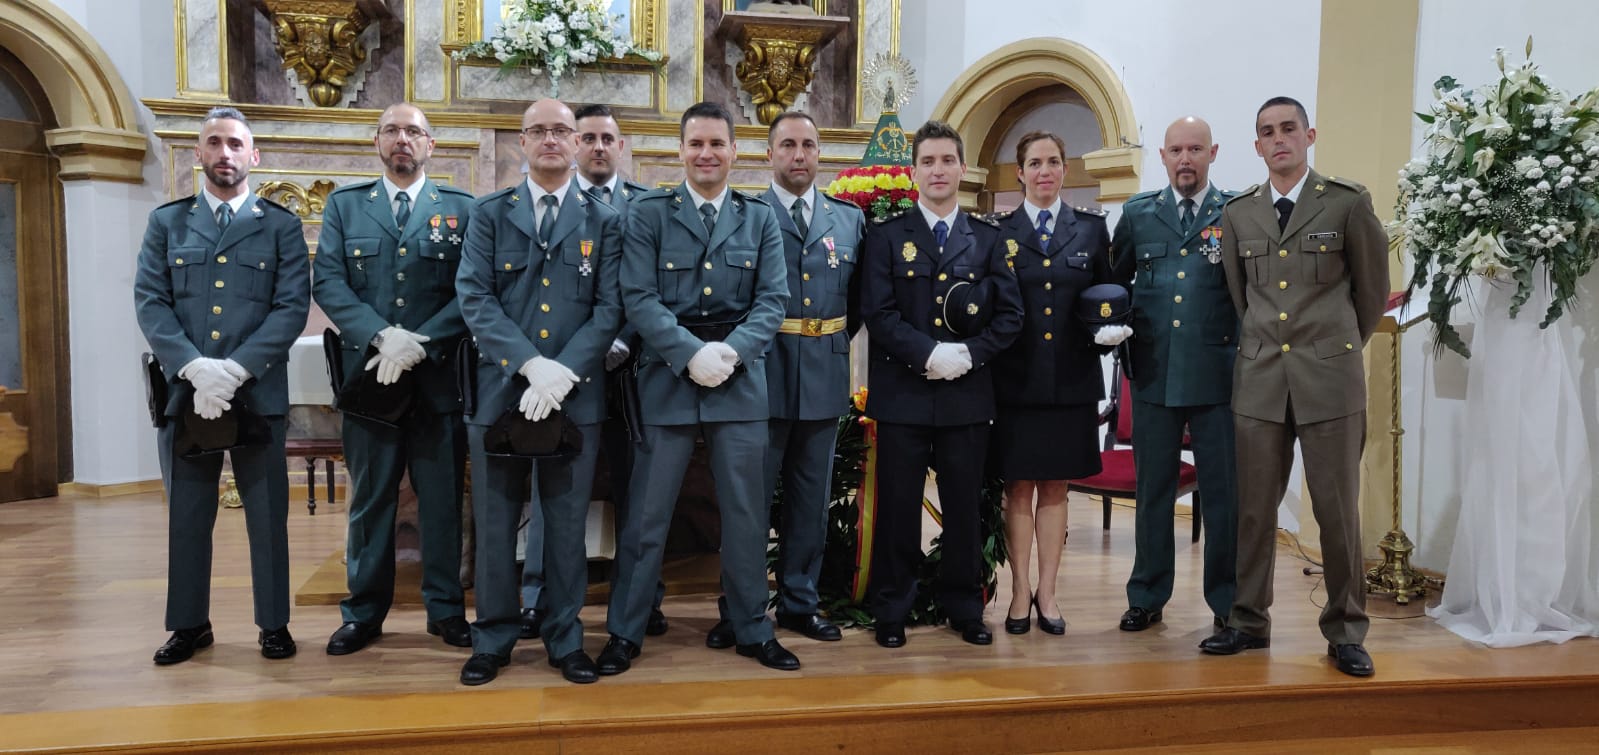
{"type": "Point", "coordinates": [1045, 442]}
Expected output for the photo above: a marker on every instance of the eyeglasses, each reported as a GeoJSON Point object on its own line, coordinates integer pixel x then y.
{"type": "Point", "coordinates": [539, 132]}
{"type": "Point", "coordinates": [392, 132]}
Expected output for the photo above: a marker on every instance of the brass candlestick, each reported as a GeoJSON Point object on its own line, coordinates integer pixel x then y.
{"type": "Point", "coordinates": [1395, 576]}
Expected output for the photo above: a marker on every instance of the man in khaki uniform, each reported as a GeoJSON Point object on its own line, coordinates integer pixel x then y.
{"type": "Point", "coordinates": [1306, 265]}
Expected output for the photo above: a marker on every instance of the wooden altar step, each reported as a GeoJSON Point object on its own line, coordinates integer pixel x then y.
{"type": "Point", "coordinates": [1420, 702]}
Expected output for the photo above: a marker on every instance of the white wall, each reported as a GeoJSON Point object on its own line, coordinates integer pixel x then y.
{"type": "Point", "coordinates": [1453, 39]}
{"type": "Point", "coordinates": [1174, 58]}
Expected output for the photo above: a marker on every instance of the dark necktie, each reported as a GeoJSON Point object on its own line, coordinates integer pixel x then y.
{"type": "Point", "coordinates": [547, 224]}
{"type": "Point", "coordinates": [708, 212]}
{"type": "Point", "coordinates": [1188, 214]}
{"type": "Point", "coordinates": [1043, 227]}
{"type": "Point", "coordinates": [1285, 208]}
{"type": "Point", "coordinates": [403, 212]}
{"type": "Point", "coordinates": [224, 216]}
{"type": "Point", "coordinates": [602, 193]}
{"type": "Point", "coordinates": [941, 234]}
{"type": "Point", "coordinates": [797, 211]}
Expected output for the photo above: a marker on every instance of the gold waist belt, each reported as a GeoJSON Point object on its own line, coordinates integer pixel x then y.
{"type": "Point", "coordinates": [812, 326]}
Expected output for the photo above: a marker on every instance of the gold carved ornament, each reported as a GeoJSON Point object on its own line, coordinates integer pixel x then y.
{"type": "Point", "coordinates": [304, 202]}
{"type": "Point", "coordinates": [780, 53]}
{"type": "Point", "coordinates": [319, 41]}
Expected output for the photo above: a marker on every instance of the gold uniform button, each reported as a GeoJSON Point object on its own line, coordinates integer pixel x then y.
{"type": "Point", "coordinates": [507, 266]}
{"type": "Point", "coordinates": [1177, 323]}
{"type": "Point", "coordinates": [1283, 316]}
{"type": "Point", "coordinates": [546, 281]}
{"type": "Point", "coordinates": [215, 335]}
{"type": "Point", "coordinates": [1282, 284]}
{"type": "Point", "coordinates": [1048, 286]}
{"type": "Point", "coordinates": [707, 290]}
{"type": "Point", "coordinates": [668, 266]}
{"type": "Point", "coordinates": [1285, 348]}
{"type": "Point", "coordinates": [399, 302]}
{"type": "Point", "coordinates": [358, 252]}
{"type": "Point", "coordinates": [943, 277]}
{"type": "Point", "coordinates": [707, 266]}
{"type": "Point", "coordinates": [1349, 347]}
{"type": "Point", "coordinates": [216, 310]}
{"type": "Point", "coordinates": [1324, 247]}
{"type": "Point", "coordinates": [180, 260]}
{"type": "Point", "coordinates": [222, 259]}
{"type": "Point", "coordinates": [505, 363]}
{"type": "Point", "coordinates": [971, 276]}
{"type": "Point", "coordinates": [261, 265]}
{"type": "Point", "coordinates": [747, 263]}
{"type": "Point", "coordinates": [399, 276]}
{"type": "Point", "coordinates": [402, 250]}
{"type": "Point", "coordinates": [1046, 263]}
{"type": "Point", "coordinates": [1183, 252]}
{"type": "Point", "coordinates": [806, 276]}
{"type": "Point", "coordinates": [544, 333]}
{"type": "Point", "coordinates": [937, 322]}
{"type": "Point", "coordinates": [910, 273]}
{"type": "Point", "coordinates": [1282, 252]}
{"type": "Point", "coordinates": [1048, 311]}
{"type": "Point", "coordinates": [1049, 336]}
{"type": "Point", "coordinates": [938, 300]}
{"type": "Point", "coordinates": [1181, 275]}
{"type": "Point", "coordinates": [220, 284]}
{"type": "Point", "coordinates": [1178, 298]}
{"type": "Point", "coordinates": [544, 307]}
{"type": "Point", "coordinates": [807, 301]}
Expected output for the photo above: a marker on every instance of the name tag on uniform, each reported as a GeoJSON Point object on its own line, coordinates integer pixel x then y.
{"type": "Point", "coordinates": [1324, 236]}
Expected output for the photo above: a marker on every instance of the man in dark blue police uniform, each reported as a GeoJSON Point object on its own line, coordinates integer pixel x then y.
{"type": "Point", "coordinates": [221, 292]}
{"type": "Point", "coordinates": [703, 281]}
{"type": "Point", "coordinates": [538, 288]}
{"type": "Point", "coordinates": [1167, 248]}
{"type": "Point", "coordinates": [386, 278]}
{"type": "Point", "coordinates": [930, 389]}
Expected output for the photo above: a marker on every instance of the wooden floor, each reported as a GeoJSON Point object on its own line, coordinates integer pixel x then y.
{"type": "Point", "coordinates": [82, 591]}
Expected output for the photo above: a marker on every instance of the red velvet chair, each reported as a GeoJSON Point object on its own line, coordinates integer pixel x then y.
{"type": "Point", "coordinates": [1118, 478]}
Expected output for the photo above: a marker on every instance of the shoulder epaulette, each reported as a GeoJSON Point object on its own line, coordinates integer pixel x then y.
{"type": "Point", "coordinates": [260, 200]}
{"type": "Point", "coordinates": [453, 189]}
{"type": "Point", "coordinates": [1346, 183]}
{"type": "Point", "coordinates": [194, 198]}
{"type": "Point", "coordinates": [1001, 216]}
{"type": "Point", "coordinates": [657, 193]}
{"type": "Point", "coordinates": [357, 186]}
{"type": "Point", "coordinates": [638, 187]}
{"type": "Point", "coordinates": [500, 193]}
{"type": "Point", "coordinates": [746, 196]}
{"type": "Point", "coordinates": [1144, 195]}
{"type": "Point", "coordinates": [1091, 212]}
{"type": "Point", "coordinates": [1253, 191]}
{"type": "Point", "coordinates": [983, 220]}
{"type": "Point", "coordinates": [893, 216]}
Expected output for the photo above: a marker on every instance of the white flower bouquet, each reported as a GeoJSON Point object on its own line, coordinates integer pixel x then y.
{"type": "Point", "coordinates": [555, 37]}
{"type": "Point", "coordinates": [1507, 188]}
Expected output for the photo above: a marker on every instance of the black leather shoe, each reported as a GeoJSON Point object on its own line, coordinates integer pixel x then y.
{"type": "Point", "coordinates": [1052, 626]}
{"type": "Point", "coordinates": [1352, 659]}
{"type": "Point", "coordinates": [481, 668]}
{"type": "Point", "coordinates": [453, 629]}
{"type": "Point", "coordinates": [810, 625]}
{"type": "Point", "coordinates": [891, 634]}
{"type": "Point", "coordinates": [657, 625]}
{"type": "Point", "coordinates": [1138, 619]}
{"type": "Point", "coordinates": [577, 667]}
{"type": "Point", "coordinates": [532, 624]}
{"type": "Point", "coordinates": [1230, 641]}
{"type": "Point", "coordinates": [721, 636]}
{"type": "Point", "coordinates": [973, 631]}
{"type": "Point", "coordinates": [353, 636]}
{"type": "Point", "coordinates": [182, 644]}
{"type": "Point", "coordinates": [277, 644]}
{"type": "Point", "coordinates": [617, 656]}
{"type": "Point", "coordinates": [1022, 625]}
{"type": "Point", "coordinates": [771, 654]}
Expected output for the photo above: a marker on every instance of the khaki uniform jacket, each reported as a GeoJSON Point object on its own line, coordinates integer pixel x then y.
{"type": "Point", "coordinates": [1308, 297]}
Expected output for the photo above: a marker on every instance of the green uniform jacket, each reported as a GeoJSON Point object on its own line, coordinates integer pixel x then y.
{"type": "Point", "coordinates": [1185, 330]}
{"type": "Point", "coordinates": [673, 269]}
{"type": "Point", "coordinates": [371, 274]}
{"type": "Point", "coordinates": [560, 302]}
{"type": "Point", "coordinates": [240, 295]}
{"type": "Point", "coordinates": [1308, 296]}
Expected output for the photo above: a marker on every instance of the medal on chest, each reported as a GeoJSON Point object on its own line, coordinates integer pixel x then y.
{"type": "Point", "coordinates": [434, 234]}
{"type": "Point", "coordinates": [1210, 244]}
{"type": "Point", "coordinates": [832, 252]}
{"type": "Point", "coordinates": [454, 224]}
{"type": "Point", "coordinates": [586, 267]}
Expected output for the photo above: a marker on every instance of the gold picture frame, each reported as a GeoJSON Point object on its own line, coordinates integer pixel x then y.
{"type": "Point", "coordinates": [465, 22]}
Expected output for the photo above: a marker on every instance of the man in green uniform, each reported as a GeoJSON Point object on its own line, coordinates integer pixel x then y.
{"type": "Point", "coordinates": [385, 276]}
{"type": "Point", "coordinates": [221, 292]}
{"type": "Point", "coordinates": [1167, 249]}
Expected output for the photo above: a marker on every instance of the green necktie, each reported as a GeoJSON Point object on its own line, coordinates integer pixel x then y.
{"type": "Point", "coordinates": [708, 211]}
{"type": "Point", "coordinates": [547, 225]}
{"type": "Point", "coordinates": [403, 212]}
{"type": "Point", "coordinates": [1188, 214]}
{"type": "Point", "coordinates": [797, 210]}
{"type": "Point", "coordinates": [224, 216]}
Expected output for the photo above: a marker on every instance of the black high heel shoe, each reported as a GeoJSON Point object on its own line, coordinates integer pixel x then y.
{"type": "Point", "coordinates": [1021, 625]}
{"type": "Point", "coordinates": [1053, 626]}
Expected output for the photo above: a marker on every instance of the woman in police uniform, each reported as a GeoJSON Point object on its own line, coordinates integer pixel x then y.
{"type": "Point", "coordinates": [1048, 383]}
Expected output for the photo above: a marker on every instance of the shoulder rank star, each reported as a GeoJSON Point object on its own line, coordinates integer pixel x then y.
{"type": "Point", "coordinates": [255, 210]}
{"type": "Point", "coordinates": [832, 252]}
{"type": "Point", "coordinates": [586, 267]}
{"type": "Point", "coordinates": [909, 251]}
{"type": "Point", "coordinates": [435, 235]}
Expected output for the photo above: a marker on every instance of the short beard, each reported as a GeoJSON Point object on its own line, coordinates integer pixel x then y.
{"type": "Point", "coordinates": [239, 174]}
{"type": "Point", "coordinates": [410, 169]}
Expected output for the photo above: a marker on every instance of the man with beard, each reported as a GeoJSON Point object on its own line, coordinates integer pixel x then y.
{"type": "Point", "coordinates": [703, 280]}
{"type": "Point", "coordinates": [599, 146]}
{"type": "Point", "coordinates": [807, 371]}
{"type": "Point", "coordinates": [1167, 249]}
{"type": "Point", "coordinates": [221, 292]}
{"type": "Point", "coordinates": [538, 287]}
{"type": "Point", "coordinates": [385, 276]}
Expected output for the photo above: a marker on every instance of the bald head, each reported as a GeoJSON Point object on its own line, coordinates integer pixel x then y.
{"type": "Point", "coordinates": [404, 141]}
{"type": "Point", "coordinates": [1187, 155]}
{"type": "Point", "coordinates": [549, 142]}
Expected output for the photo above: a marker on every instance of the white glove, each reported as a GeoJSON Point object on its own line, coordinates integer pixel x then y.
{"type": "Point", "coordinates": [728, 354]}
{"type": "Point", "coordinates": [617, 355]}
{"type": "Point", "coordinates": [1111, 335]}
{"type": "Point", "coordinates": [210, 377]}
{"type": "Point", "coordinates": [536, 406]}
{"type": "Point", "coordinates": [236, 370]}
{"type": "Point", "coordinates": [549, 378]}
{"type": "Point", "coordinates": [709, 366]}
{"type": "Point", "coordinates": [209, 406]}
{"type": "Point", "coordinates": [403, 346]}
{"type": "Point", "coordinates": [389, 370]}
{"type": "Point", "coordinates": [948, 361]}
